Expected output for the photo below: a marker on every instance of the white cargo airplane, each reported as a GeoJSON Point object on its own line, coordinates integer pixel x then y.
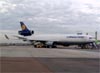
{"type": "Point", "coordinates": [52, 40]}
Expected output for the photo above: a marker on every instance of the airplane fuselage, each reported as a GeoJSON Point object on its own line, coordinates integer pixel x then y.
{"type": "Point", "coordinates": [62, 38]}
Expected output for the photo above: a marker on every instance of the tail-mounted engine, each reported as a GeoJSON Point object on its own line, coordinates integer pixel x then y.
{"type": "Point", "coordinates": [26, 32]}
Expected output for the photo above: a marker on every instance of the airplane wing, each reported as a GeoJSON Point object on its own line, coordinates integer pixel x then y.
{"type": "Point", "coordinates": [19, 37]}
{"type": "Point", "coordinates": [22, 38]}
{"type": "Point", "coordinates": [35, 42]}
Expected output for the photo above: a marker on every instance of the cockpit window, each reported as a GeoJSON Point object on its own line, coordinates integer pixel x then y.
{"type": "Point", "coordinates": [90, 37]}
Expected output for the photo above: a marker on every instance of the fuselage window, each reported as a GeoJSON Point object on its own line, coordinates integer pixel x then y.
{"type": "Point", "coordinates": [75, 36]}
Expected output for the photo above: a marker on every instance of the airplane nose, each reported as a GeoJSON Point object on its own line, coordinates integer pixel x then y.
{"type": "Point", "coordinates": [92, 38]}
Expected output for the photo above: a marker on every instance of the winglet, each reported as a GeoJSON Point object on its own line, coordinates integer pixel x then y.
{"type": "Point", "coordinates": [6, 37]}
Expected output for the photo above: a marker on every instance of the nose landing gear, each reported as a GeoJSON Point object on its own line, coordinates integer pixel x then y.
{"type": "Point", "coordinates": [89, 46]}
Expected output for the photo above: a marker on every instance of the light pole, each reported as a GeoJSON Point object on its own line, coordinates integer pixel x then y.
{"type": "Point", "coordinates": [96, 33]}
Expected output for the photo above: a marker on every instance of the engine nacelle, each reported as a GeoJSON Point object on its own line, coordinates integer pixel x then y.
{"type": "Point", "coordinates": [26, 32]}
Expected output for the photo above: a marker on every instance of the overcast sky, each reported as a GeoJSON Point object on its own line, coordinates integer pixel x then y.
{"type": "Point", "coordinates": [51, 16]}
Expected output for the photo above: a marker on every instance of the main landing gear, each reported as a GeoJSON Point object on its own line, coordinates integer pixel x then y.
{"type": "Point", "coordinates": [43, 45]}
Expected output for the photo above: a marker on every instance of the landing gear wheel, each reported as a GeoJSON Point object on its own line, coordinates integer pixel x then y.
{"type": "Point", "coordinates": [89, 46]}
{"type": "Point", "coordinates": [38, 46]}
{"type": "Point", "coordinates": [50, 46]}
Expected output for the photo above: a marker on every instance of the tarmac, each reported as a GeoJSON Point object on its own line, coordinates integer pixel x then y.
{"type": "Point", "coordinates": [27, 59]}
